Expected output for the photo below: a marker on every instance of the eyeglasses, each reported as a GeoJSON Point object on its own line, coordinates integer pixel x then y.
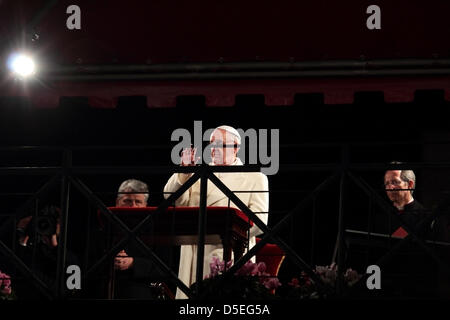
{"type": "Point", "coordinates": [395, 183]}
{"type": "Point", "coordinates": [221, 145]}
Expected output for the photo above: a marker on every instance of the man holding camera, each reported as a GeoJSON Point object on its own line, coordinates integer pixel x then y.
{"type": "Point", "coordinates": [36, 244]}
{"type": "Point", "coordinates": [47, 228]}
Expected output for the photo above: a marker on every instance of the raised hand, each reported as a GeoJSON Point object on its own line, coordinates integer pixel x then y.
{"type": "Point", "coordinates": [188, 157]}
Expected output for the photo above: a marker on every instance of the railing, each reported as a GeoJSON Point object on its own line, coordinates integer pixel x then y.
{"type": "Point", "coordinates": [337, 175]}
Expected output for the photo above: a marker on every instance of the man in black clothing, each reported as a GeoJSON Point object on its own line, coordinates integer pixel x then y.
{"type": "Point", "coordinates": [136, 276]}
{"type": "Point", "coordinates": [399, 186]}
{"type": "Point", "coordinates": [36, 240]}
{"type": "Point", "coordinates": [410, 271]}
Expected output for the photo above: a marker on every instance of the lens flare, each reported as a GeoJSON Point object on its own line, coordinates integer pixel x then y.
{"type": "Point", "coordinates": [22, 65]}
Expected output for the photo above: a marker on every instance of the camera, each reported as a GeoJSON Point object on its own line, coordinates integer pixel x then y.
{"type": "Point", "coordinates": [44, 223]}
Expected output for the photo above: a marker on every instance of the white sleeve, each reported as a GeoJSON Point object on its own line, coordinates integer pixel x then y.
{"type": "Point", "coordinates": [173, 184]}
{"type": "Point", "coordinates": [259, 202]}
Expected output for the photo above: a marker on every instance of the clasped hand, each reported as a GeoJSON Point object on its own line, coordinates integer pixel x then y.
{"type": "Point", "coordinates": [122, 261]}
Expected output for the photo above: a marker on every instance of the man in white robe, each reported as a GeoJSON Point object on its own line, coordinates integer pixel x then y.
{"type": "Point", "coordinates": [226, 141]}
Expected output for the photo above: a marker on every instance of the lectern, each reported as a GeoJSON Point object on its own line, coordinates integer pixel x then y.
{"type": "Point", "coordinates": [408, 271]}
{"type": "Point", "coordinates": [179, 225]}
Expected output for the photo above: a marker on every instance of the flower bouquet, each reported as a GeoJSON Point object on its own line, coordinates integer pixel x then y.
{"type": "Point", "coordinates": [6, 292]}
{"type": "Point", "coordinates": [304, 287]}
{"type": "Point", "coordinates": [249, 282]}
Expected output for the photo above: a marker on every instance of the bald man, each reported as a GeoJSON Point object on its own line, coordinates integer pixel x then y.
{"type": "Point", "coordinates": [225, 142]}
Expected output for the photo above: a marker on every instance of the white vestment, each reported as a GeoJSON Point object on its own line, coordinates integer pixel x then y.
{"type": "Point", "coordinates": [235, 181]}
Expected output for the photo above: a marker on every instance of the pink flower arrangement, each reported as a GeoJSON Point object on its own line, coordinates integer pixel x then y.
{"type": "Point", "coordinates": [328, 274]}
{"type": "Point", "coordinates": [5, 286]}
{"type": "Point", "coordinates": [217, 267]}
{"type": "Point", "coordinates": [305, 286]}
{"type": "Point", "coordinates": [259, 270]}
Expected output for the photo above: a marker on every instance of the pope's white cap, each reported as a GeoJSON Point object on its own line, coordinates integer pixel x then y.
{"type": "Point", "coordinates": [228, 129]}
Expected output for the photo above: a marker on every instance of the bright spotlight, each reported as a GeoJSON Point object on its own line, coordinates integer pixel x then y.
{"type": "Point", "coordinates": [21, 64]}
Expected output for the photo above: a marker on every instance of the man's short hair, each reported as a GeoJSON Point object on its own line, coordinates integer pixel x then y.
{"type": "Point", "coordinates": [135, 186]}
{"type": "Point", "coordinates": [230, 130]}
{"type": "Point", "coordinates": [406, 175]}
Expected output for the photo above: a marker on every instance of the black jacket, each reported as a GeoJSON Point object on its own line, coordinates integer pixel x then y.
{"type": "Point", "coordinates": [412, 216]}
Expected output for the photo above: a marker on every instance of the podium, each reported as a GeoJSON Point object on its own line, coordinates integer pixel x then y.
{"type": "Point", "coordinates": [179, 226]}
{"type": "Point", "coordinates": [382, 241]}
{"type": "Point", "coordinates": [410, 271]}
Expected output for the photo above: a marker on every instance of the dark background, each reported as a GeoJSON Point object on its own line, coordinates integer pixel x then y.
{"type": "Point", "coordinates": [114, 91]}
{"type": "Point", "coordinates": [310, 133]}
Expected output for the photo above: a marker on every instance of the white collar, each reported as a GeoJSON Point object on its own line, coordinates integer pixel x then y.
{"type": "Point", "coordinates": [403, 207]}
